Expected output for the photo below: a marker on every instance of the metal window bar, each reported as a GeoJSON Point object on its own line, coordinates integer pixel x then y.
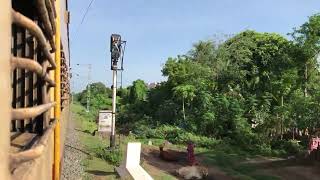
{"type": "Point", "coordinates": [65, 89]}
{"type": "Point", "coordinates": [35, 30]}
{"type": "Point", "coordinates": [44, 15]}
{"type": "Point", "coordinates": [31, 80]}
{"type": "Point", "coordinates": [24, 113]}
{"type": "Point", "coordinates": [50, 8]}
{"type": "Point", "coordinates": [29, 64]}
{"type": "Point", "coordinates": [24, 63]}
{"type": "Point", "coordinates": [35, 152]}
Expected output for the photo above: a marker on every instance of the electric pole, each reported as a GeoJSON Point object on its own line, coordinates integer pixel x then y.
{"type": "Point", "coordinates": [89, 88]}
{"type": "Point", "coordinates": [117, 47]}
{"type": "Point", "coordinates": [88, 85]}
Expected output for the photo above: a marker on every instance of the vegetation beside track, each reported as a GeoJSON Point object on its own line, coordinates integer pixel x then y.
{"type": "Point", "coordinates": [252, 95]}
{"type": "Point", "coordinates": [93, 165]}
{"type": "Point", "coordinates": [100, 163]}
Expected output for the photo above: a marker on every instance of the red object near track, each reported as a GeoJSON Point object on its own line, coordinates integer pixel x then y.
{"type": "Point", "coordinates": [314, 143]}
{"type": "Point", "coordinates": [191, 157]}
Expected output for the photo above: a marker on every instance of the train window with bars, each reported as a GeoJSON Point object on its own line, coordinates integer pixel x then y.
{"type": "Point", "coordinates": [32, 48]}
{"type": "Point", "coordinates": [30, 79]}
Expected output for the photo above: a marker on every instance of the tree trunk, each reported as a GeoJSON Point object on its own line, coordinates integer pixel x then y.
{"type": "Point", "coordinates": [305, 80]}
{"type": "Point", "coordinates": [282, 119]}
{"type": "Point", "coordinates": [293, 131]}
{"type": "Point", "coordinates": [183, 111]}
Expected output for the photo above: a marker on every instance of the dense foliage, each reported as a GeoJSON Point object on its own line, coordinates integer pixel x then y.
{"type": "Point", "coordinates": [99, 97]}
{"type": "Point", "coordinates": [251, 90]}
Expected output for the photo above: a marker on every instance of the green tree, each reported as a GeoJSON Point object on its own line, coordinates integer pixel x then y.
{"type": "Point", "coordinates": [307, 40]}
{"type": "Point", "coordinates": [251, 89]}
{"type": "Point", "coordinates": [186, 93]}
{"type": "Point", "coordinates": [138, 91]}
{"type": "Point", "coordinates": [100, 96]}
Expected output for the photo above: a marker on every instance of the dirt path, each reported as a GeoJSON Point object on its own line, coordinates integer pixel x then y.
{"type": "Point", "coordinates": [154, 164]}
{"type": "Point", "coordinates": [293, 169]}
{"type": "Point", "coordinates": [263, 167]}
{"type": "Point", "coordinates": [99, 169]}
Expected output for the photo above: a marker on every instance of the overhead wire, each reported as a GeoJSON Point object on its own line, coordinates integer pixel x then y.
{"type": "Point", "coordinates": [82, 20]}
{"type": "Point", "coordinates": [84, 16]}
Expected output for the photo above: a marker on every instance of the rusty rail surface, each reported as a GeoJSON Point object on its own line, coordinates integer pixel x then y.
{"type": "Point", "coordinates": [24, 113]}
{"type": "Point", "coordinates": [31, 65]}
{"type": "Point", "coordinates": [35, 30]}
{"type": "Point", "coordinates": [35, 152]}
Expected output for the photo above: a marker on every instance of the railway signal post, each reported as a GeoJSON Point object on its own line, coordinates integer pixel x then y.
{"type": "Point", "coordinates": [117, 47]}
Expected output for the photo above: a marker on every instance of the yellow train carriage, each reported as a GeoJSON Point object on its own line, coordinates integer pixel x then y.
{"type": "Point", "coordinates": [35, 89]}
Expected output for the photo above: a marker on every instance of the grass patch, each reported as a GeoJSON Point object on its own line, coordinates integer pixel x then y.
{"type": "Point", "coordinates": [265, 177]}
{"type": "Point", "coordinates": [98, 167]}
{"type": "Point", "coordinates": [101, 162]}
{"type": "Point", "coordinates": [112, 156]}
{"type": "Point", "coordinates": [233, 163]}
{"type": "Point", "coordinates": [157, 174]}
{"type": "Point", "coordinates": [93, 164]}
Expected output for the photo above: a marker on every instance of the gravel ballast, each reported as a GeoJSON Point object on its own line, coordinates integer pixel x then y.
{"type": "Point", "coordinates": [71, 167]}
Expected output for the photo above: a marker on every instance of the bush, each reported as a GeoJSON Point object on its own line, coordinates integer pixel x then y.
{"type": "Point", "coordinates": [143, 131]}
{"type": "Point", "coordinates": [289, 147]}
{"type": "Point", "coordinates": [168, 132]}
{"type": "Point", "coordinates": [175, 135]}
{"type": "Point", "coordinates": [292, 147]}
{"type": "Point", "coordinates": [264, 149]}
{"type": "Point", "coordinates": [112, 156]}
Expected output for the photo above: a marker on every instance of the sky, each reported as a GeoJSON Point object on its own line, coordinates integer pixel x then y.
{"type": "Point", "coordinates": [158, 29]}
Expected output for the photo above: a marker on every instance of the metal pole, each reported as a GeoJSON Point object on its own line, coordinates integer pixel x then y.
{"type": "Point", "coordinates": [6, 92]}
{"type": "Point", "coordinates": [89, 93]}
{"type": "Point", "coordinates": [88, 87]}
{"type": "Point", "coordinates": [72, 89]}
{"type": "Point", "coordinates": [114, 96]}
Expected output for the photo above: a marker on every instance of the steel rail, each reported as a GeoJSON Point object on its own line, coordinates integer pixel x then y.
{"type": "Point", "coordinates": [31, 112]}
{"type": "Point", "coordinates": [44, 15]}
{"type": "Point", "coordinates": [35, 30]}
{"type": "Point", "coordinates": [29, 64]}
{"type": "Point", "coordinates": [35, 152]}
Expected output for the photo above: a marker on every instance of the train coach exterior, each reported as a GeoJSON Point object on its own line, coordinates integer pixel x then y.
{"type": "Point", "coordinates": [35, 90]}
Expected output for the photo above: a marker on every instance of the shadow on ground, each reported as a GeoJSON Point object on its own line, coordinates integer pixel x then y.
{"type": "Point", "coordinates": [77, 149]}
{"type": "Point", "coordinates": [100, 173]}
{"type": "Point", "coordinates": [259, 167]}
{"type": "Point", "coordinates": [150, 155]}
{"type": "Point", "coordinates": [85, 131]}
